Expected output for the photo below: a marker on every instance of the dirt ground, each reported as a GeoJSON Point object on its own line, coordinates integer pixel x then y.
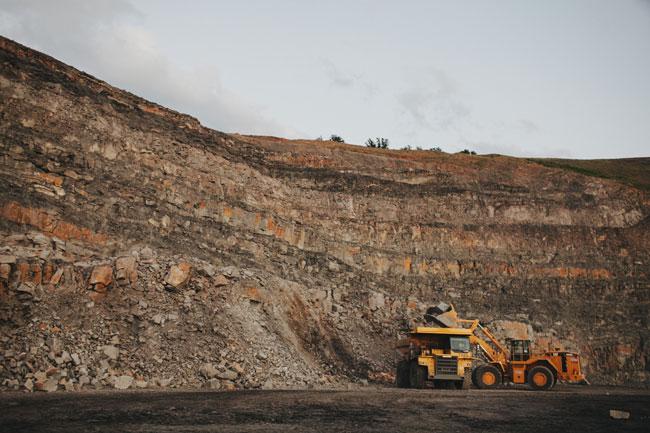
{"type": "Point", "coordinates": [567, 409]}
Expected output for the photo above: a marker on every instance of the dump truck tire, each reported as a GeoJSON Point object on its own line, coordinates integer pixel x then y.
{"type": "Point", "coordinates": [417, 376]}
{"type": "Point", "coordinates": [540, 378]}
{"type": "Point", "coordinates": [402, 374]}
{"type": "Point", "coordinates": [464, 384]}
{"type": "Point", "coordinates": [487, 377]}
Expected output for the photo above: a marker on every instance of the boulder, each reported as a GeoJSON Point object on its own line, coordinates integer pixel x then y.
{"type": "Point", "coordinates": [101, 277]}
{"type": "Point", "coordinates": [213, 384]}
{"type": "Point", "coordinates": [126, 271]}
{"type": "Point", "coordinates": [84, 380]}
{"type": "Point", "coordinates": [221, 280]}
{"type": "Point", "coordinates": [26, 290]}
{"type": "Point", "coordinates": [49, 385]}
{"type": "Point", "coordinates": [209, 270]}
{"type": "Point", "coordinates": [178, 275]}
{"type": "Point", "coordinates": [208, 370]}
{"type": "Point", "coordinates": [123, 382]}
{"type": "Point", "coordinates": [511, 329]}
{"type": "Point", "coordinates": [111, 352]}
{"type": "Point", "coordinates": [376, 301]}
{"type": "Point", "coordinates": [227, 375]}
{"type": "Point", "coordinates": [163, 382]}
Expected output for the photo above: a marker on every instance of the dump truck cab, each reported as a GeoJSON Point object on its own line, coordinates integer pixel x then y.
{"type": "Point", "coordinates": [439, 356]}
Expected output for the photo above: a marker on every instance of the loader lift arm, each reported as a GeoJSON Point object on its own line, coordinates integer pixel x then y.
{"type": "Point", "coordinates": [494, 351]}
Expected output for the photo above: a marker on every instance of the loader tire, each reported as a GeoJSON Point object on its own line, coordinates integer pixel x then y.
{"type": "Point", "coordinates": [474, 382]}
{"type": "Point", "coordinates": [417, 375]}
{"type": "Point", "coordinates": [540, 378]}
{"type": "Point", "coordinates": [402, 379]}
{"type": "Point", "coordinates": [487, 377]}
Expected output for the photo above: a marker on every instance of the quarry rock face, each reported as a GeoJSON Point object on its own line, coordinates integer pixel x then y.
{"type": "Point", "coordinates": [291, 263]}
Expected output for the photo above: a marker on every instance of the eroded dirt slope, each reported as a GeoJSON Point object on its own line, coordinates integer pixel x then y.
{"type": "Point", "coordinates": [141, 249]}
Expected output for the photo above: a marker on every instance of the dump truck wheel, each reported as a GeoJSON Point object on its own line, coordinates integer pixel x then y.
{"type": "Point", "coordinates": [417, 376]}
{"type": "Point", "coordinates": [402, 374]}
{"type": "Point", "coordinates": [488, 377]}
{"type": "Point", "coordinates": [464, 384]}
{"type": "Point", "coordinates": [540, 378]}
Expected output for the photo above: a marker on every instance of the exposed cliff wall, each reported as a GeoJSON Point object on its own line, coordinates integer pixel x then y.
{"type": "Point", "coordinates": [249, 261]}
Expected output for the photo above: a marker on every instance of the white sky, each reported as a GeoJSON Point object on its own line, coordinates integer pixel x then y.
{"type": "Point", "coordinates": [527, 78]}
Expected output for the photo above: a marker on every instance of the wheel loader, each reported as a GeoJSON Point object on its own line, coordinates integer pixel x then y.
{"type": "Point", "coordinates": [442, 355]}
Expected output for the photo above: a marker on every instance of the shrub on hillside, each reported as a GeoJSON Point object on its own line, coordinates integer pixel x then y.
{"type": "Point", "coordinates": [379, 143]}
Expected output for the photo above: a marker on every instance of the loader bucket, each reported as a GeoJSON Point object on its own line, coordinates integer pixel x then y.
{"type": "Point", "coordinates": [443, 315]}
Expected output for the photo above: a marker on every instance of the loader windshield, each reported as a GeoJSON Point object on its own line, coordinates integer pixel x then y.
{"type": "Point", "coordinates": [459, 344]}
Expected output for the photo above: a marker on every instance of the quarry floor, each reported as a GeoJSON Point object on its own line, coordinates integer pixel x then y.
{"type": "Point", "coordinates": [566, 409]}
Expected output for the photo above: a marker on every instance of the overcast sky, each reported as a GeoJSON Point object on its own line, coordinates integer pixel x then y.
{"type": "Point", "coordinates": [527, 78]}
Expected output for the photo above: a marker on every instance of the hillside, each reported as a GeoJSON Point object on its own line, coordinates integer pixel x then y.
{"type": "Point", "coordinates": [631, 171]}
{"type": "Point", "coordinates": [139, 248]}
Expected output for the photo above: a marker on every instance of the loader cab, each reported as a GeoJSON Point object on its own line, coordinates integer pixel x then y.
{"type": "Point", "coordinates": [519, 350]}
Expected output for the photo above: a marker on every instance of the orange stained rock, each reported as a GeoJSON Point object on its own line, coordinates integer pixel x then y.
{"type": "Point", "coordinates": [101, 277]}
{"type": "Point", "coordinates": [253, 294]}
{"type": "Point", "coordinates": [5, 271]}
{"type": "Point", "coordinates": [56, 277]}
{"type": "Point", "coordinates": [227, 213]}
{"type": "Point", "coordinates": [574, 272]}
{"type": "Point", "coordinates": [624, 349]}
{"type": "Point", "coordinates": [49, 224]}
{"type": "Point", "coordinates": [36, 273]}
{"type": "Point", "coordinates": [454, 268]}
{"type": "Point", "coordinates": [601, 274]}
{"type": "Point", "coordinates": [23, 271]}
{"type": "Point", "coordinates": [503, 269]}
{"type": "Point", "coordinates": [407, 264]}
{"type": "Point", "coordinates": [152, 109]}
{"type": "Point", "coordinates": [179, 274]}
{"type": "Point", "coordinates": [354, 250]}
{"type": "Point", "coordinates": [48, 270]}
{"type": "Point", "coordinates": [50, 178]}
{"type": "Point", "coordinates": [270, 225]}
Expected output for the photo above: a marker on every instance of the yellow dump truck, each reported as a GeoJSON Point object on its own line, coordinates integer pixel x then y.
{"type": "Point", "coordinates": [442, 355]}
